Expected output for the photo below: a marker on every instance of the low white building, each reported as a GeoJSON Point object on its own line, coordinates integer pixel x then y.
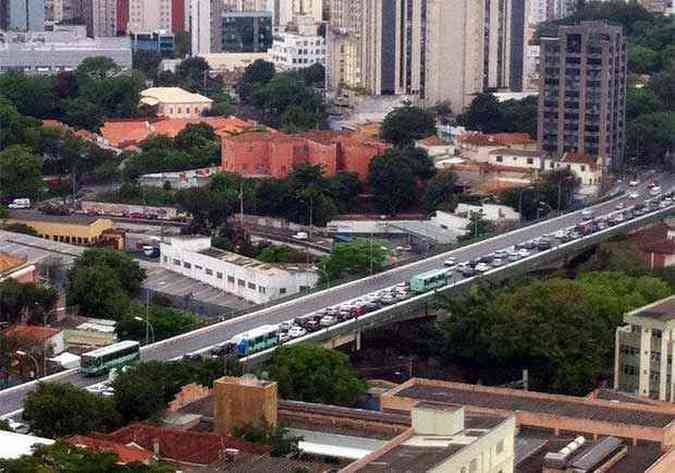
{"type": "Point", "coordinates": [247, 278]}
{"type": "Point", "coordinates": [491, 212]}
{"type": "Point", "coordinates": [13, 445]}
{"type": "Point", "coordinates": [174, 102]}
{"type": "Point", "coordinates": [293, 50]}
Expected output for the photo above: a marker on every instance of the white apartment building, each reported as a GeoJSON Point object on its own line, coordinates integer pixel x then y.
{"type": "Point", "coordinates": [244, 277]}
{"type": "Point", "coordinates": [296, 50]}
{"type": "Point", "coordinates": [249, 5]}
{"type": "Point", "coordinates": [206, 26]}
{"type": "Point", "coordinates": [150, 15]}
{"type": "Point", "coordinates": [643, 353]}
{"type": "Point", "coordinates": [101, 18]}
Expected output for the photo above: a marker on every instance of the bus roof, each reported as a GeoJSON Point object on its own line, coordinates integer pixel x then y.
{"type": "Point", "coordinates": [432, 273]}
{"type": "Point", "coordinates": [256, 332]}
{"type": "Point", "coordinates": [111, 348]}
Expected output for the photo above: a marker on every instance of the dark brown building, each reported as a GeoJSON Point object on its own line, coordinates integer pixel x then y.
{"type": "Point", "coordinates": [582, 92]}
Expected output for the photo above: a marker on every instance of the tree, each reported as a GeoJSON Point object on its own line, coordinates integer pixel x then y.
{"type": "Point", "coordinates": [477, 227]}
{"type": "Point", "coordinates": [314, 75]}
{"type": "Point", "coordinates": [649, 138]}
{"type": "Point", "coordinates": [419, 162]}
{"type": "Point", "coordinates": [32, 95]}
{"type": "Point", "coordinates": [19, 173]}
{"type": "Point", "coordinates": [441, 192]}
{"type": "Point", "coordinates": [392, 182]}
{"type": "Point", "coordinates": [360, 257]}
{"type": "Point", "coordinates": [26, 301]}
{"type": "Point", "coordinates": [209, 208]}
{"type": "Point", "coordinates": [193, 73]}
{"type": "Point", "coordinates": [16, 129]}
{"type": "Point", "coordinates": [642, 60]}
{"type": "Point", "coordinates": [345, 188]}
{"type": "Point", "coordinates": [258, 73]}
{"type": "Point", "coordinates": [311, 373]}
{"type": "Point", "coordinates": [491, 329]}
{"type": "Point", "coordinates": [195, 135]}
{"type": "Point", "coordinates": [147, 62]}
{"type": "Point", "coordinates": [641, 101]}
{"type": "Point", "coordinates": [4, 213]}
{"type": "Point", "coordinates": [403, 126]}
{"type": "Point", "coordinates": [97, 68]}
{"type": "Point", "coordinates": [165, 323]}
{"type": "Point", "coordinates": [483, 114]}
{"type": "Point", "coordinates": [58, 410]}
{"type": "Point", "coordinates": [283, 443]}
{"type": "Point", "coordinates": [126, 269]}
{"type": "Point", "coordinates": [98, 292]}
{"type": "Point", "coordinates": [20, 228]}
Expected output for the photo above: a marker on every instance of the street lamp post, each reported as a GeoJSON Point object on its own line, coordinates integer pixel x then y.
{"type": "Point", "coordinates": [148, 325]}
{"type": "Point", "coordinates": [35, 362]}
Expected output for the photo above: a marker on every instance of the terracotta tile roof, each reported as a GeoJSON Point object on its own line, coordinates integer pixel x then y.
{"type": "Point", "coordinates": [130, 453]}
{"type": "Point", "coordinates": [31, 333]}
{"type": "Point", "coordinates": [433, 141]}
{"type": "Point", "coordinates": [125, 134]}
{"type": "Point", "coordinates": [498, 139]}
{"type": "Point", "coordinates": [579, 158]}
{"type": "Point", "coordinates": [200, 448]}
{"type": "Point", "coordinates": [9, 262]}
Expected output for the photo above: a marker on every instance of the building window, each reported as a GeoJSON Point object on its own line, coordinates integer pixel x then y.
{"type": "Point", "coordinates": [176, 262]}
{"type": "Point", "coordinates": [530, 161]}
{"type": "Point", "coordinates": [209, 272]}
{"type": "Point", "coordinates": [230, 279]}
{"type": "Point", "coordinates": [198, 267]}
{"type": "Point", "coordinates": [499, 159]}
{"type": "Point", "coordinates": [282, 290]}
{"type": "Point", "coordinates": [219, 275]}
{"type": "Point", "coordinates": [261, 289]}
{"type": "Point", "coordinates": [251, 286]}
{"type": "Point", "coordinates": [186, 265]}
{"type": "Point", "coordinates": [166, 259]}
{"type": "Point", "coordinates": [241, 283]}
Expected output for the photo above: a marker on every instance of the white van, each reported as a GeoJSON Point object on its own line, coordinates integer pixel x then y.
{"type": "Point", "coordinates": [20, 204]}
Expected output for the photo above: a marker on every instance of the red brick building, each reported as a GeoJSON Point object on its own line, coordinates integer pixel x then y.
{"type": "Point", "coordinates": [273, 154]}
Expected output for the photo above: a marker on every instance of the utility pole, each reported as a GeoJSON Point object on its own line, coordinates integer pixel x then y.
{"type": "Point", "coordinates": [241, 204]}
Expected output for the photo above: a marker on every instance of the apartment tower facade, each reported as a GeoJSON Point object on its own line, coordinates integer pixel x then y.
{"type": "Point", "coordinates": [582, 93]}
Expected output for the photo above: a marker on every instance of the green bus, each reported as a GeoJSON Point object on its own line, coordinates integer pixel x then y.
{"type": "Point", "coordinates": [102, 360]}
{"type": "Point", "coordinates": [430, 280]}
{"type": "Point", "coordinates": [255, 340]}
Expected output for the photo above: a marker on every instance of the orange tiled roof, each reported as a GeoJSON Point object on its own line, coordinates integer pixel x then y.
{"type": "Point", "coordinates": [31, 333]}
{"type": "Point", "coordinates": [433, 140]}
{"type": "Point", "coordinates": [9, 262]}
{"type": "Point", "coordinates": [126, 454]}
{"type": "Point", "coordinates": [125, 134]}
{"type": "Point", "coordinates": [579, 158]}
{"type": "Point", "coordinates": [498, 139]}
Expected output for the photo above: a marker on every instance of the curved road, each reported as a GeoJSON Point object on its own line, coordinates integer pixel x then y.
{"type": "Point", "coordinates": [12, 398]}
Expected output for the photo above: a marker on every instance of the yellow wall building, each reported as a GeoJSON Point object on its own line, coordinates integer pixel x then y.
{"type": "Point", "coordinates": [74, 229]}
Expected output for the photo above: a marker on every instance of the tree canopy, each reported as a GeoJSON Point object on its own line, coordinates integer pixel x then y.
{"type": "Point", "coordinates": [311, 373]}
{"type": "Point", "coordinates": [488, 115]}
{"type": "Point", "coordinates": [357, 258]}
{"type": "Point", "coordinates": [19, 173]}
{"type": "Point", "coordinates": [403, 126]}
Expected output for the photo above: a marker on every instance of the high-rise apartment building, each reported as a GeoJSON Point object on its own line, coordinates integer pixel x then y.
{"type": "Point", "coordinates": [150, 15]}
{"type": "Point", "coordinates": [643, 357]}
{"type": "Point", "coordinates": [248, 5]}
{"type": "Point", "coordinates": [246, 32]}
{"type": "Point", "coordinates": [100, 16]}
{"type": "Point", "coordinates": [206, 26]}
{"type": "Point", "coordinates": [23, 15]}
{"type": "Point", "coordinates": [582, 92]}
{"type": "Point", "coordinates": [431, 50]}
{"type": "Point", "coordinates": [286, 10]}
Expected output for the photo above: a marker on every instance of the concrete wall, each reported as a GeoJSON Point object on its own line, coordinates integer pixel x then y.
{"type": "Point", "coordinates": [241, 402]}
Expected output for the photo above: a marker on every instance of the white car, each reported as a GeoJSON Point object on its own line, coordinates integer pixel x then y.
{"type": "Point", "coordinates": [297, 331]}
{"type": "Point", "coordinates": [587, 212]}
{"type": "Point", "coordinates": [523, 253]}
{"type": "Point", "coordinates": [620, 206]}
{"type": "Point", "coordinates": [656, 190]}
{"type": "Point", "coordinates": [634, 195]}
{"type": "Point", "coordinates": [634, 183]}
{"type": "Point", "coordinates": [450, 262]}
{"type": "Point", "coordinates": [328, 321]}
{"type": "Point", "coordinates": [482, 267]}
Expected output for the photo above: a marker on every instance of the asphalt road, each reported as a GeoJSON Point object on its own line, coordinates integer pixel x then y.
{"type": "Point", "coordinates": [11, 399]}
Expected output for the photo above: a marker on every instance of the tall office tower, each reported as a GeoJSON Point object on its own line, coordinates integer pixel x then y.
{"type": "Point", "coordinates": [286, 10]}
{"type": "Point", "coordinates": [100, 16]}
{"type": "Point", "coordinates": [518, 44]}
{"type": "Point", "coordinates": [248, 5]}
{"type": "Point", "coordinates": [582, 92]}
{"type": "Point", "coordinates": [23, 15]}
{"type": "Point", "coordinates": [206, 26]}
{"type": "Point", "coordinates": [150, 15]}
{"type": "Point", "coordinates": [178, 15]}
{"type": "Point", "coordinates": [122, 20]}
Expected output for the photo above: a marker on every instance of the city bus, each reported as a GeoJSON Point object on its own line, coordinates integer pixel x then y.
{"type": "Point", "coordinates": [256, 340]}
{"type": "Point", "coordinates": [430, 280]}
{"type": "Point", "coordinates": [102, 360]}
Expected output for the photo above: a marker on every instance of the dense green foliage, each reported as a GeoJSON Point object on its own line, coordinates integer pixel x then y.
{"type": "Point", "coordinates": [441, 192]}
{"type": "Point", "coordinates": [394, 176]}
{"type": "Point", "coordinates": [144, 391]}
{"type": "Point", "coordinates": [57, 410]}
{"type": "Point", "coordinates": [572, 346]}
{"type": "Point", "coordinates": [487, 114]}
{"type": "Point", "coordinates": [164, 323]}
{"type": "Point", "coordinates": [281, 440]}
{"type": "Point", "coordinates": [358, 258]}
{"type": "Point", "coordinates": [312, 373]}
{"type": "Point", "coordinates": [101, 282]}
{"type": "Point", "coordinates": [26, 299]}
{"type": "Point", "coordinates": [65, 458]}
{"type": "Point", "coordinates": [405, 125]}
{"type": "Point", "coordinates": [19, 173]}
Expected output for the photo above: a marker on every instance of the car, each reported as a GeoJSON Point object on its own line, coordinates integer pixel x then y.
{"type": "Point", "coordinates": [497, 262]}
{"type": "Point", "coordinates": [285, 326]}
{"type": "Point", "coordinates": [482, 267]}
{"type": "Point", "coordinates": [634, 183]}
{"type": "Point", "coordinates": [513, 257]}
{"type": "Point", "coordinates": [466, 270]}
{"type": "Point", "coordinates": [328, 321]}
{"type": "Point", "coordinates": [18, 427]}
{"type": "Point", "coordinates": [527, 245]}
{"type": "Point", "coordinates": [450, 262]}
{"type": "Point", "coordinates": [297, 331]}
{"type": "Point", "coordinates": [301, 236]}
{"type": "Point", "coordinates": [544, 244]}
{"type": "Point", "coordinates": [620, 206]}
{"type": "Point", "coordinates": [656, 190]}
{"type": "Point", "coordinates": [192, 357]}
{"type": "Point", "coordinates": [501, 253]}
{"type": "Point", "coordinates": [284, 337]}
{"type": "Point", "coordinates": [587, 212]}
{"type": "Point", "coordinates": [387, 299]}
{"type": "Point", "coordinates": [523, 253]}
{"type": "Point", "coordinates": [222, 350]}
{"type": "Point", "coordinates": [663, 204]}
{"type": "Point", "coordinates": [634, 195]}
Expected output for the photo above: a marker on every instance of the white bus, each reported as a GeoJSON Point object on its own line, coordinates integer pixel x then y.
{"type": "Point", "coordinates": [102, 360]}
